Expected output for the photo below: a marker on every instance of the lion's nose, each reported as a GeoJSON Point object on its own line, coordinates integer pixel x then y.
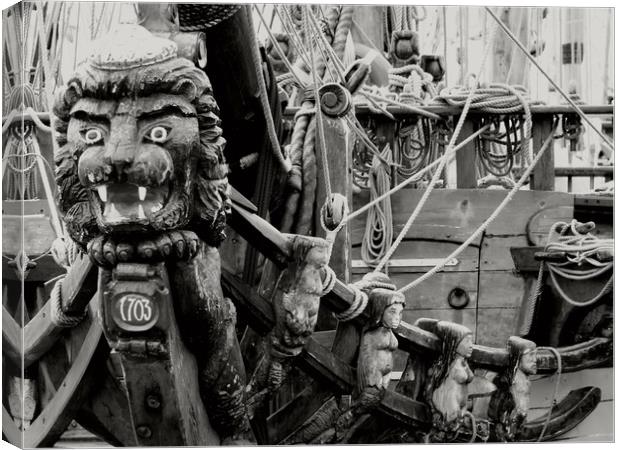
{"type": "Point", "coordinates": [120, 157]}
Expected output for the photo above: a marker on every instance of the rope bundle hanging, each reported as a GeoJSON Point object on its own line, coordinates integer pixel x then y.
{"type": "Point", "coordinates": [379, 230]}
{"type": "Point", "coordinates": [497, 148]}
{"type": "Point", "coordinates": [587, 257]}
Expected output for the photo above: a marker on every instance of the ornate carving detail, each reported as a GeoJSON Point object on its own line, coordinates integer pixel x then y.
{"type": "Point", "coordinates": [446, 387]}
{"type": "Point", "coordinates": [296, 305]}
{"type": "Point", "coordinates": [142, 180]}
{"type": "Point", "coordinates": [376, 356]}
{"type": "Point", "coordinates": [510, 402]}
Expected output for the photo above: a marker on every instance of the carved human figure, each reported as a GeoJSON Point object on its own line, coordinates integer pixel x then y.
{"type": "Point", "coordinates": [447, 384]}
{"type": "Point", "coordinates": [376, 354]}
{"type": "Point", "coordinates": [510, 402]}
{"type": "Point", "coordinates": [142, 179]}
{"type": "Point", "coordinates": [295, 301]}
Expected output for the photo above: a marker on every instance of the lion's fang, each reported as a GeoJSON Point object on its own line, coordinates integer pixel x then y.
{"type": "Point", "coordinates": [141, 214]}
{"type": "Point", "coordinates": [103, 192]}
{"type": "Point", "coordinates": [141, 193]}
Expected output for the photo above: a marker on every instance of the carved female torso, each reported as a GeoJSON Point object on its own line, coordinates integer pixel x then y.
{"type": "Point", "coordinates": [451, 396]}
{"type": "Point", "coordinates": [376, 356]}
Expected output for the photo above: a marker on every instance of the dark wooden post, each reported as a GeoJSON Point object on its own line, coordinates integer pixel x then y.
{"type": "Point", "coordinates": [543, 176]}
{"type": "Point", "coordinates": [466, 158]}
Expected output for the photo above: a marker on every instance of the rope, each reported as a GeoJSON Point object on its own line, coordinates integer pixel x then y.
{"type": "Point", "coordinates": [360, 301]}
{"type": "Point", "coordinates": [379, 230]}
{"type": "Point", "coordinates": [319, 117]}
{"type": "Point", "coordinates": [295, 175]}
{"type": "Point", "coordinates": [442, 163]}
{"type": "Point", "coordinates": [489, 220]}
{"type": "Point", "coordinates": [415, 176]}
{"type": "Point", "coordinates": [329, 281]}
{"type": "Point", "coordinates": [553, 83]}
{"type": "Point", "coordinates": [474, 431]}
{"type": "Point", "coordinates": [342, 30]}
{"type": "Point", "coordinates": [558, 373]}
{"type": "Point", "coordinates": [264, 100]}
{"type": "Point", "coordinates": [579, 248]}
{"type": "Point", "coordinates": [57, 315]}
{"type": "Point", "coordinates": [309, 182]}
{"type": "Point", "coordinates": [528, 320]}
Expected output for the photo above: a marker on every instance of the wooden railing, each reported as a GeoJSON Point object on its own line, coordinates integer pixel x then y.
{"type": "Point", "coordinates": [543, 176]}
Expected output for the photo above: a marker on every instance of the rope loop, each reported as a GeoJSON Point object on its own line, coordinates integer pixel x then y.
{"type": "Point", "coordinates": [329, 281]}
{"type": "Point", "coordinates": [358, 306]}
{"type": "Point", "coordinates": [57, 315]}
{"type": "Point", "coordinates": [581, 248]}
{"type": "Point", "coordinates": [333, 213]}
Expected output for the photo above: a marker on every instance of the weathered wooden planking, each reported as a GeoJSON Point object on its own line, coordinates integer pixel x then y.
{"type": "Point", "coordinates": [431, 250]}
{"type": "Point", "coordinates": [503, 289]}
{"type": "Point", "coordinates": [453, 215]}
{"type": "Point", "coordinates": [495, 252]}
{"type": "Point", "coordinates": [496, 325]}
{"type": "Point", "coordinates": [541, 222]}
{"type": "Point", "coordinates": [434, 292]}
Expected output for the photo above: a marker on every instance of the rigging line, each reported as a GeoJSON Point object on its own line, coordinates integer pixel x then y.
{"type": "Point", "coordinates": [278, 49]}
{"type": "Point", "coordinates": [416, 176]}
{"type": "Point", "coordinates": [263, 97]}
{"type": "Point", "coordinates": [435, 178]}
{"type": "Point", "coordinates": [365, 37]}
{"type": "Point", "coordinates": [324, 48]}
{"type": "Point", "coordinates": [319, 112]}
{"type": "Point", "coordinates": [339, 66]}
{"type": "Point", "coordinates": [553, 83]}
{"type": "Point", "coordinates": [489, 220]}
{"type": "Point", "coordinates": [260, 24]}
{"type": "Point", "coordinates": [292, 31]}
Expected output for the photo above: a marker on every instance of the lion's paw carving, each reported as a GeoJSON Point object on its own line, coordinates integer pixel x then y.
{"type": "Point", "coordinates": [106, 251]}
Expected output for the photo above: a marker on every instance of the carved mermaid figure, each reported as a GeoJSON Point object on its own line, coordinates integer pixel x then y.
{"type": "Point", "coordinates": [447, 386]}
{"type": "Point", "coordinates": [509, 404]}
{"type": "Point", "coordinates": [376, 353]}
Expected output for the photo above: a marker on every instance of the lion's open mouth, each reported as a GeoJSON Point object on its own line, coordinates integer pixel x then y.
{"type": "Point", "coordinates": [128, 202]}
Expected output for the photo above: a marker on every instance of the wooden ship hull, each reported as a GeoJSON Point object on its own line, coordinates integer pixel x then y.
{"type": "Point", "coordinates": [90, 374]}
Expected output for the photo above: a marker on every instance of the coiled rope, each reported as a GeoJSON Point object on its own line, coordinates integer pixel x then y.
{"type": "Point", "coordinates": [442, 163]}
{"type": "Point", "coordinates": [579, 248]}
{"type": "Point", "coordinates": [379, 230]}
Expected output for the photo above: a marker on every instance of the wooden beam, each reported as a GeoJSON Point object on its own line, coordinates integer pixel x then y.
{"type": "Point", "coordinates": [543, 176]}
{"type": "Point", "coordinates": [445, 110]}
{"type": "Point", "coordinates": [466, 158]}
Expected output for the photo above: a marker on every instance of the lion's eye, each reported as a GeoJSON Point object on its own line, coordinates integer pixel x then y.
{"type": "Point", "coordinates": [158, 134]}
{"type": "Point", "coordinates": [93, 136]}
